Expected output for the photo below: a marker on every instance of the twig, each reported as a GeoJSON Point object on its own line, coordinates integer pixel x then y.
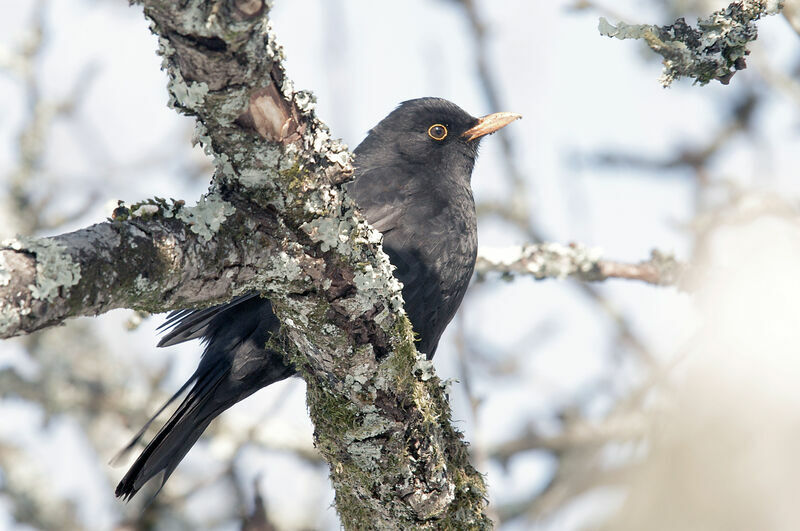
{"type": "Point", "coordinates": [554, 260]}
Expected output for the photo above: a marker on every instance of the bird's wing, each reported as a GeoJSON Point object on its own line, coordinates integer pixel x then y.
{"type": "Point", "coordinates": [184, 325]}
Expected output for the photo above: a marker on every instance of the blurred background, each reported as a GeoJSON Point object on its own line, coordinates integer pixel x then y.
{"type": "Point", "coordinates": [616, 405]}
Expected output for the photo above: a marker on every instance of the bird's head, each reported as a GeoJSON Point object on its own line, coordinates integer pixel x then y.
{"type": "Point", "coordinates": [429, 136]}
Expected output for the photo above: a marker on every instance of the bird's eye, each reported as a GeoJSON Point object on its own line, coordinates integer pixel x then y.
{"type": "Point", "coordinates": [437, 132]}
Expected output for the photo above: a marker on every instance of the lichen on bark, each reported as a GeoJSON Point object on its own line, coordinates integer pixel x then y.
{"type": "Point", "coordinates": [275, 220]}
{"type": "Point", "coordinates": [395, 460]}
{"type": "Point", "coordinates": [716, 49]}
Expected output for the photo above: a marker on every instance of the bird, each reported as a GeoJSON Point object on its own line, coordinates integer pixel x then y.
{"type": "Point", "coordinates": [412, 182]}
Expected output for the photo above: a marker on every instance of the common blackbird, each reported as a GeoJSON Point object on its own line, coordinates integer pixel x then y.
{"type": "Point", "coordinates": [412, 183]}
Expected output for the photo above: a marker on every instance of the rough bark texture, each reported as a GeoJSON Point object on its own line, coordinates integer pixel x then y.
{"type": "Point", "coordinates": [152, 258]}
{"type": "Point", "coordinates": [275, 220]}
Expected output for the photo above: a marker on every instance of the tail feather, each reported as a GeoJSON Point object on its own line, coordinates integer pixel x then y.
{"type": "Point", "coordinates": [234, 365]}
{"type": "Point", "coordinates": [185, 325]}
{"type": "Point", "coordinates": [138, 437]}
{"type": "Point", "coordinates": [174, 440]}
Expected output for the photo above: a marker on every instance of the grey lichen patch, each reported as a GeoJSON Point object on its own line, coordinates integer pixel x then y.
{"type": "Point", "coordinates": [716, 49]}
{"type": "Point", "coordinates": [365, 455]}
{"type": "Point", "coordinates": [274, 50]}
{"type": "Point", "coordinates": [10, 318]}
{"type": "Point", "coordinates": [670, 270]}
{"type": "Point", "coordinates": [287, 267]}
{"type": "Point", "coordinates": [145, 210]}
{"type": "Point", "coordinates": [285, 274]}
{"type": "Point", "coordinates": [182, 95]}
{"type": "Point", "coordinates": [188, 95]}
{"type": "Point", "coordinates": [252, 178]}
{"type": "Point", "coordinates": [331, 149]}
{"type": "Point", "coordinates": [300, 310]}
{"type": "Point", "coordinates": [267, 166]}
{"type": "Point", "coordinates": [423, 369]}
{"type": "Point", "coordinates": [306, 101]}
{"type": "Point", "coordinates": [5, 273]}
{"type": "Point", "coordinates": [347, 236]}
{"type": "Point", "coordinates": [331, 233]}
{"type": "Point", "coordinates": [338, 153]}
{"type": "Point", "coordinates": [200, 137]}
{"type": "Point", "coordinates": [223, 164]}
{"type": "Point", "coordinates": [55, 268]}
{"type": "Point", "coordinates": [547, 260]}
{"type": "Point", "coordinates": [141, 284]}
{"type": "Point", "coordinates": [231, 107]}
{"type": "Point", "coordinates": [205, 218]}
{"type": "Point", "coordinates": [154, 206]}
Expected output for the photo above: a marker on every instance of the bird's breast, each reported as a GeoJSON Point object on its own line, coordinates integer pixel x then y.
{"type": "Point", "coordinates": [433, 251]}
{"type": "Point", "coordinates": [429, 231]}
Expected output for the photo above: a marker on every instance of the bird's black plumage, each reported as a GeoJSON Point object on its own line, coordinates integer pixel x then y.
{"type": "Point", "coordinates": [412, 183]}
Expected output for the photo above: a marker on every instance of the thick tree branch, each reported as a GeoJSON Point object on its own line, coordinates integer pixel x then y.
{"type": "Point", "coordinates": [275, 220]}
{"type": "Point", "coordinates": [155, 257]}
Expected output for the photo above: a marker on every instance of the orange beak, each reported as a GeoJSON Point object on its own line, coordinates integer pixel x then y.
{"type": "Point", "coordinates": [489, 124]}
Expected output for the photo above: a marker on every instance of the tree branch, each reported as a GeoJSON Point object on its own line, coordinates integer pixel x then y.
{"type": "Point", "coordinates": [553, 260]}
{"type": "Point", "coordinates": [715, 50]}
{"type": "Point", "coordinates": [154, 256]}
{"type": "Point", "coordinates": [274, 220]}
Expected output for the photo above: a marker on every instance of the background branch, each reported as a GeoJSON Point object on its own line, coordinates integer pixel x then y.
{"type": "Point", "coordinates": [552, 260]}
{"type": "Point", "coordinates": [715, 50]}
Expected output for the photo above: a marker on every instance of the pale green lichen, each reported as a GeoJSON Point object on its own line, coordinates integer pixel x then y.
{"type": "Point", "coordinates": [10, 318]}
{"type": "Point", "coordinates": [200, 137]}
{"type": "Point", "coordinates": [55, 268]}
{"type": "Point", "coordinates": [188, 95]}
{"type": "Point", "coordinates": [282, 271]}
{"type": "Point", "coordinates": [223, 164]}
{"type": "Point", "coordinates": [145, 210]}
{"type": "Point", "coordinates": [5, 274]}
{"type": "Point", "coordinates": [231, 108]}
{"type": "Point", "coordinates": [141, 284]}
{"type": "Point", "coordinates": [205, 218]}
{"type": "Point", "coordinates": [306, 101]}
{"type": "Point", "coordinates": [330, 233]}
{"type": "Point", "coordinates": [182, 95]}
{"type": "Point", "coordinates": [715, 50]}
{"type": "Point", "coordinates": [547, 260]}
{"type": "Point", "coordinates": [288, 266]}
{"type": "Point", "coordinates": [423, 368]}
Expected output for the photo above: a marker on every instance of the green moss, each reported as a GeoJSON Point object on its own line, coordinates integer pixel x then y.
{"type": "Point", "coordinates": [333, 412]}
{"type": "Point", "coordinates": [294, 176]}
{"type": "Point", "coordinates": [401, 363]}
{"type": "Point", "coordinates": [470, 499]}
{"type": "Point", "coordinates": [353, 512]}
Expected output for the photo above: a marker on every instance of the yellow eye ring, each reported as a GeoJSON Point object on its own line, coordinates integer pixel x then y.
{"type": "Point", "coordinates": [437, 132]}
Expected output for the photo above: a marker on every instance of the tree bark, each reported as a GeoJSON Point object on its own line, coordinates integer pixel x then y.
{"type": "Point", "coordinates": [275, 220]}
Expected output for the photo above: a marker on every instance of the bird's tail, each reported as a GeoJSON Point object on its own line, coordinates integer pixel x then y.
{"type": "Point", "coordinates": [181, 431]}
{"type": "Point", "coordinates": [235, 364]}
